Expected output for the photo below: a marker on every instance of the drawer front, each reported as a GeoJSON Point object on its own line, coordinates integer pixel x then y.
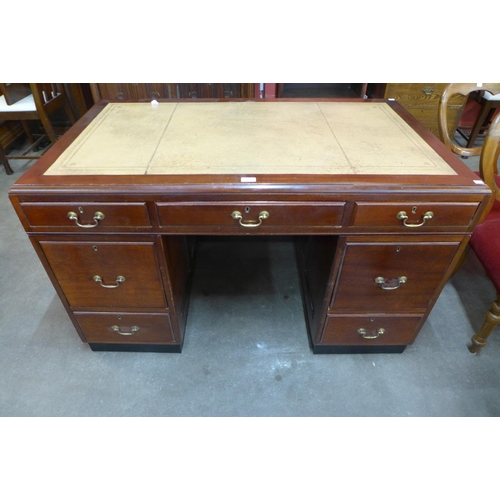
{"type": "Point", "coordinates": [92, 216]}
{"type": "Point", "coordinates": [260, 217]}
{"type": "Point", "coordinates": [418, 216]}
{"type": "Point", "coordinates": [126, 328]}
{"type": "Point", "coordinates": [370, 330]}
{"type": "Point", "coordinates": [391, 276]}
{"type": "Point", "coordinates": [78, 265]}
{"type": "Point", "coordinates": [420, 94]}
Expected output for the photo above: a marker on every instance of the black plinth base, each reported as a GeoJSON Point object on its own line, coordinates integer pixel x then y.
{"type": "Point", "coordinates": [358, 349]}
{"type": "Point", "coordinates": [136, 347]}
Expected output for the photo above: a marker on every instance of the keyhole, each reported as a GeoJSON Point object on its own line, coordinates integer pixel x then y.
{"type": "Point", "coordinates": [95, 248]}
{"type": "Point", "coordinates": [398, 249]}
{"type": "Point", "coordinates": [247, 209]}
{"type": "Point", "coordinates": [80, 209]}
{"type": "Point", "coordinates": [414, 210]}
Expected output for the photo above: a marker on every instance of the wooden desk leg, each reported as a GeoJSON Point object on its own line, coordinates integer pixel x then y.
{"type": "Point", "coordinates": [492, 319]}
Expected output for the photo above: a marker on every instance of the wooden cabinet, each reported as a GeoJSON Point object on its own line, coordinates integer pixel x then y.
{"type": "Point", "coordinates": [422, 100]}
{"type": "Point", "coordinates": [149, 91]}
{"type": "Point", "coordinates": [121, 291]}
{"type": "Point", "coordinates": [375, 240]}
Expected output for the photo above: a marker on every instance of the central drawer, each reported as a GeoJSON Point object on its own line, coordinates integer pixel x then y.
{"type": "Point", "coordinates": [391, 276]}
{"type": "Point", "coordinates": [252, 216]}
{"type": "Point", "coordinates": [102, 274]}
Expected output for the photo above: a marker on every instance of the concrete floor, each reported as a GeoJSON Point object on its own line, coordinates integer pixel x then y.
{"type": "Point", "coordinates": [246, 352]}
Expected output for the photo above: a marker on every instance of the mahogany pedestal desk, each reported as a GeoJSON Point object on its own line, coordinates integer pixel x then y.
{"type": "Point", "coordinates": [379, 209]}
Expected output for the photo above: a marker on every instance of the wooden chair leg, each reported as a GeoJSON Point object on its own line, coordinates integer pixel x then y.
{"type": "Point", "coordinates": [479, 123]}
{"type": "Point", "coordinates": [5, 162]}
{"type": "Point", "coordinates": [492, 319]}
{"type": "Point", "coordinates": [27, 131]}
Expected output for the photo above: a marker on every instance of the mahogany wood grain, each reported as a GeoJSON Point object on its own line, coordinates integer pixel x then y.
{"type": "Point", "coordinates": [315, 258]}
{"type": "Point", "coordinates": [199, 216]}
{"type": "Point", "coordinates": [75, 263]}
{"type": "Point", "coordinates": [421, 263]}
{"type": "Point", "coordinates": [349, 222]}
{"type": "Point", "coordinates": [344, 330]}
{"type": "Point", "coordinates": [54, 216]}
{"type": "Point", "coordinates": [177, 268]}
{"type": "Point", "coordinates": [151, 328]}
{"type": "Point", "coordinates": [445, 215]}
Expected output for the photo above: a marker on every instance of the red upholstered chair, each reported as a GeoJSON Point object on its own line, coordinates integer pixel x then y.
{"type": "Point", "coordinates": [485, 240]}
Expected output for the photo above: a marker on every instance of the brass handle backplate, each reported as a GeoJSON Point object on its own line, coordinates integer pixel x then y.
{"type": "Point", "coordinates": [390, 284]}
{"type": "Point", "coordinates": [237, 215]}
{"type": "Point", "coordinates": [376, 334]}
{"type": "Point", "coordinates": [428, 90]}
{"type": "Point", "coordinates": [119, 279]}
{"type": "Point", "coordinates": [97, 217]}
{"type": "Point", "coordinates": [402, 216]}
{"type": "Point", "coordinates": [118, 329]}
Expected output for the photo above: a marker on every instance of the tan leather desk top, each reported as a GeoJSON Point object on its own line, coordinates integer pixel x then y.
{"type": "Point", "coordinates": [249, 138]}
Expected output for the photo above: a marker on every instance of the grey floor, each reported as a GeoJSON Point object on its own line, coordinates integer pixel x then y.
{"type": "Point", "coordinates": [245, 353]}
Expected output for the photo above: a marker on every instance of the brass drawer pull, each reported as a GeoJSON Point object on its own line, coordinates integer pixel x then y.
{"type": "Point", "coordinates": [237, 215]}
{"type": "Point", "coordinates": [119, 279]}
{"type": "Point", "coordinates": [117, 329]}
{"type": "Point", "coordinates": [402, 216]}
{"type": "Point", "coordinates": [97, 217]}
{"type": "Point", "coordinates": [390, 284]}
{"type": "Point", "coordinates": [366, 335]}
